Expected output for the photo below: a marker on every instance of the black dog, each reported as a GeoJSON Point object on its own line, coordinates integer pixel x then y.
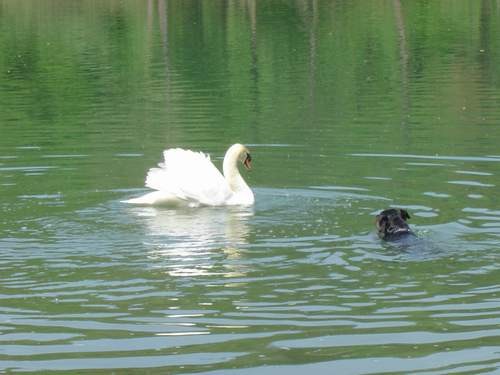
{"type": "Point", "coordinates": [391, 224]}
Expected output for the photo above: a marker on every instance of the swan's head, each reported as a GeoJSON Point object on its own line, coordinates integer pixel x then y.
{"type": "Point", "coordinates": [241, 193]}
{"type": "Point", "coordinates": [246, 159]}
{"type": "Point", "coordinates": [242, 154]}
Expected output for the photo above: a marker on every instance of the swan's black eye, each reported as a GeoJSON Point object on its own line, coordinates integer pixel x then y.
{"type": "Point", "coordinates": [248, 161]}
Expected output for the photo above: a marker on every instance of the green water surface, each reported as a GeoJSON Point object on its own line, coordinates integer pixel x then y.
{"type": "Point", "coordinates": [348, 107]}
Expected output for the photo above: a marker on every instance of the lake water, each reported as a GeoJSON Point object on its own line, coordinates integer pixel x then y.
{"type": "Point", "coordinates": [348, 107]}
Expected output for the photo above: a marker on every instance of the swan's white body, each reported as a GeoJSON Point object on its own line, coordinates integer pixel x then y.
{"type": "Point", "coordinates": [190, 178]}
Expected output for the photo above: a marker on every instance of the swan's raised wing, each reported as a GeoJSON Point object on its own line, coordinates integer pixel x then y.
{"type": "Point", "coordinates": [190, 176]}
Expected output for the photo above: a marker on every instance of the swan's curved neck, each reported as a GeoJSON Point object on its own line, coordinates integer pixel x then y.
{"type": "Point", "coordinates": [231, 172]}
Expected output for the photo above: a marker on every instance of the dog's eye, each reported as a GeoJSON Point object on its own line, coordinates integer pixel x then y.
{"type": "Point", "coordinates": [404, 214]}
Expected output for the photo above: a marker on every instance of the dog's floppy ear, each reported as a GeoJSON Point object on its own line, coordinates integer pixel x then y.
{"type": "Point", "coordinates": [404, 214]}
{"type": "Point", "coordinates": [381, 221]}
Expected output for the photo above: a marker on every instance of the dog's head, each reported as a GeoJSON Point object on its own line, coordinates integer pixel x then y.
{"type": "Point", "coordinates": [391, 223]}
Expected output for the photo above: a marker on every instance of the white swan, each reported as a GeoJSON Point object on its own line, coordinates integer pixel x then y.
{"type": "Point", "coordinates": [190, 178]}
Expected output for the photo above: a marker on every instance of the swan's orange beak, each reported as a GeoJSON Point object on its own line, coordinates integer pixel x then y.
{"type": "Point", "coordinates": [248, 162]}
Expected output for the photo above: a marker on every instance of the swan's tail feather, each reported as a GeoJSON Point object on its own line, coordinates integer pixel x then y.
{"type": "Point", "coordinates": [155, 197]}
{"type": "Point", "coordinates": [157, 178]}
{"type": "Point", "coordinates": [178, 167]}
{"type": "Point", "coordinates": [162, 179]}
{"type": "Point", "coordinates": [188, 175]}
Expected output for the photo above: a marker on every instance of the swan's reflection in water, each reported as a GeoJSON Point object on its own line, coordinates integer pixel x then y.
{"type": "Point", "coordinates": [194, 242]}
